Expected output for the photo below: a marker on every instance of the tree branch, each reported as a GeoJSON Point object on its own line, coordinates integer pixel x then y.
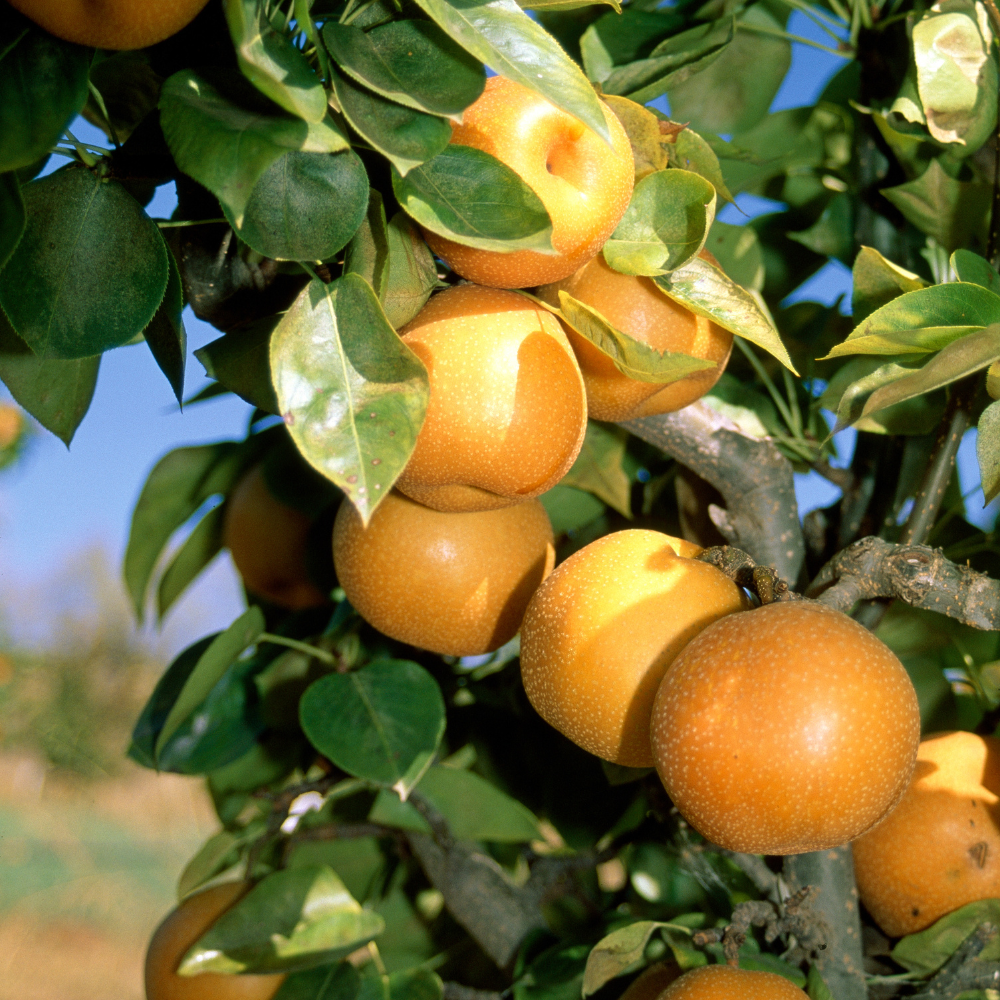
{"type": "Point", "coordinates": [917, 574]}
{"type": "Point", "coordinates": [754, 478]}
{"type": "Point", "coordinates": [835, 904]}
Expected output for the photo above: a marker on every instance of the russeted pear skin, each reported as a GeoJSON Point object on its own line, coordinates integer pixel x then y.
{"type": "Point", "coordinates": [267, 540]}
{"type": "Point", "coordinates": [638, 308]}
{"type": "Point", "coordinates": [603, 629]}
{"type": "Point", "coordinates": [456, 584]}
{"type": "Point", "coordinates": [584, 183]}
{"type": "Point", "coordinates": [785, 729]}
{"type": "Point", "coordinates": [507, 411]}
{"type": "Point", "coordinates": [175, 935]}
{"type": "Point", "coordinates": [111, 24]}
{"type": "Point", "coordinates": [939, 849]}
{"type": "Point", "coordinates": [721, 982]}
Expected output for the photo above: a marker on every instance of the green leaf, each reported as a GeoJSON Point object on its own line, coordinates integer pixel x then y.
{"type": "Point", "coordinates": [876, 281]}
{"type": "Point", "coordinates": [474, 809]}
{"type": "Point", "coordinates": [598, 468]}
{"type": "Point", "coordinates": [956, 78]}
{"type": "Point", "coordinates": [926, 951]}
{"type": "Point", "coordinates": [415, 984]}
{"type": "Point", "coordinates": [404, 136]}
{"type": "Point", "coordinates": [220, 729]}
{"type": "Point", "coordinates": [12, 215]}
{"type": "Point", "coordinates": [382, 723]}
{"type": "Point", "coordinates": [631, 357]}
{"type": "Point", "coordinates": [950, 211]}
{"type": "Point", "coordinates": [213, 857]}
{"type": "Point", "coordinates": [962, 357]}
{"type": "Point", "coordinates": [305, 206]}
{"type": "Point", "coordinates": [56, 393]}
{"type": "Point", "coordinates": [292, 919]}
{"type": "Point", "coordinates": [923, 321]}
{"type": "Point", "coordinates": [90, 270]}
{"type": "Point", "coordinates": [272, 63]}
{"type": "Point", "coordinates": [469, 196]}
{"type": "Point", "coordinates": [199, 549]}
{"type": "Point", "coordinates": [367, 254]}
{"type": "Point", "coordinates": [643, 130]}
{"type": "Point", "coordinates": [706, 290]}
{"type": "Point", "coordinates": [739, 253]}
{"type": "Point", "coordinates": [43, 86]}
{"type": "Point", "coordinates": [325, 982]}
{"type": "Point", "coordinates": [619, 39]}
{"type": "Point", "coordinates": [240, 360]}
{"type": "Point", "coordinates": [150, 722]}
{"type": "Point", "coordinates": [853, 384]}
{"type": "Point", "coordinates": [500, 35]}
{"type": "Point", "coordinates": [735, 91]}
{"type": "Point", "coordinates": [832, 234]}
{"type": "Point", "coordinates": [570, 509]}
{"type": "Point", "coordinates": [988, 450]}
{"type": "Point", "coordinates": [220, 654]}
{"type": "Point", "coordinates": [620, 952]}
{"type": "Point", "coordinates": [816, 988]}
{"type": "Point", "coordinates": [225, 135]}
{"type": "Point", "coordinates": [177, 486]}
{"type": "Point", "coordinates": [352, 394]}
{"type": "Point", "coordinates": [411, 62]}
{"type": "Point", "coordinates": [552, 6]}
{"type": "Point", "coordinates": [679, 58]}
{"type": "Point", "coordinates": [689, 151]}
{"type": "Point", "coordinates": [412, 272]}
{"type": "Point", "coordinates": [969, 266]}
{"type": "Point", "coordinates": [665, 224]}
{"type": "Point", "coordinates": [165, 336]}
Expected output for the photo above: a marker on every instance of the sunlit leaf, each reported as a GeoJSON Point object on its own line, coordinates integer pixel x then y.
{"type": "Point", "coordinates": [352, 394]}
{"type": "Point", "coordinates": [292, 919]}
{"type": "Point", "coordinates": [665, 224]}
{"type": "Point", "coordinates": [988, 450]}
{"type": "Point", "coordinates": [643, 131]}
{"type": "Point", "coordinates": [969, 266]}
{"type": "Point", "coordinates": [877, 281]}
{"type": "Point", "coordinates": [956, 78]}
{"type": "Point", "coordinates": [706, 290]}
{"type": "Point", "coordinates": [960, 358]}
{"type": "Point", "coordinates": [924, 320]}
{"type": "Point", "coordinates": [500, 35]}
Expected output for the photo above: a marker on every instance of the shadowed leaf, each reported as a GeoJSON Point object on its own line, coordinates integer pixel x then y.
{"type": "Point", "coordinates": [411, 62]}
{"type": "Point", "coordinates": [469, 196]}
{"type": "Point", "coordinates": [382, 723]}
{"type": "Point", "coordinates": [988, 450]}
{"type": "Point", "coordinates": [89, 272]}
{"type": "Point", "coordinates": [272, 63]}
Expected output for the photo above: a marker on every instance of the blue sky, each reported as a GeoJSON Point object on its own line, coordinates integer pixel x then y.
{"type": "Point", "coordinates": [57, 502]}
